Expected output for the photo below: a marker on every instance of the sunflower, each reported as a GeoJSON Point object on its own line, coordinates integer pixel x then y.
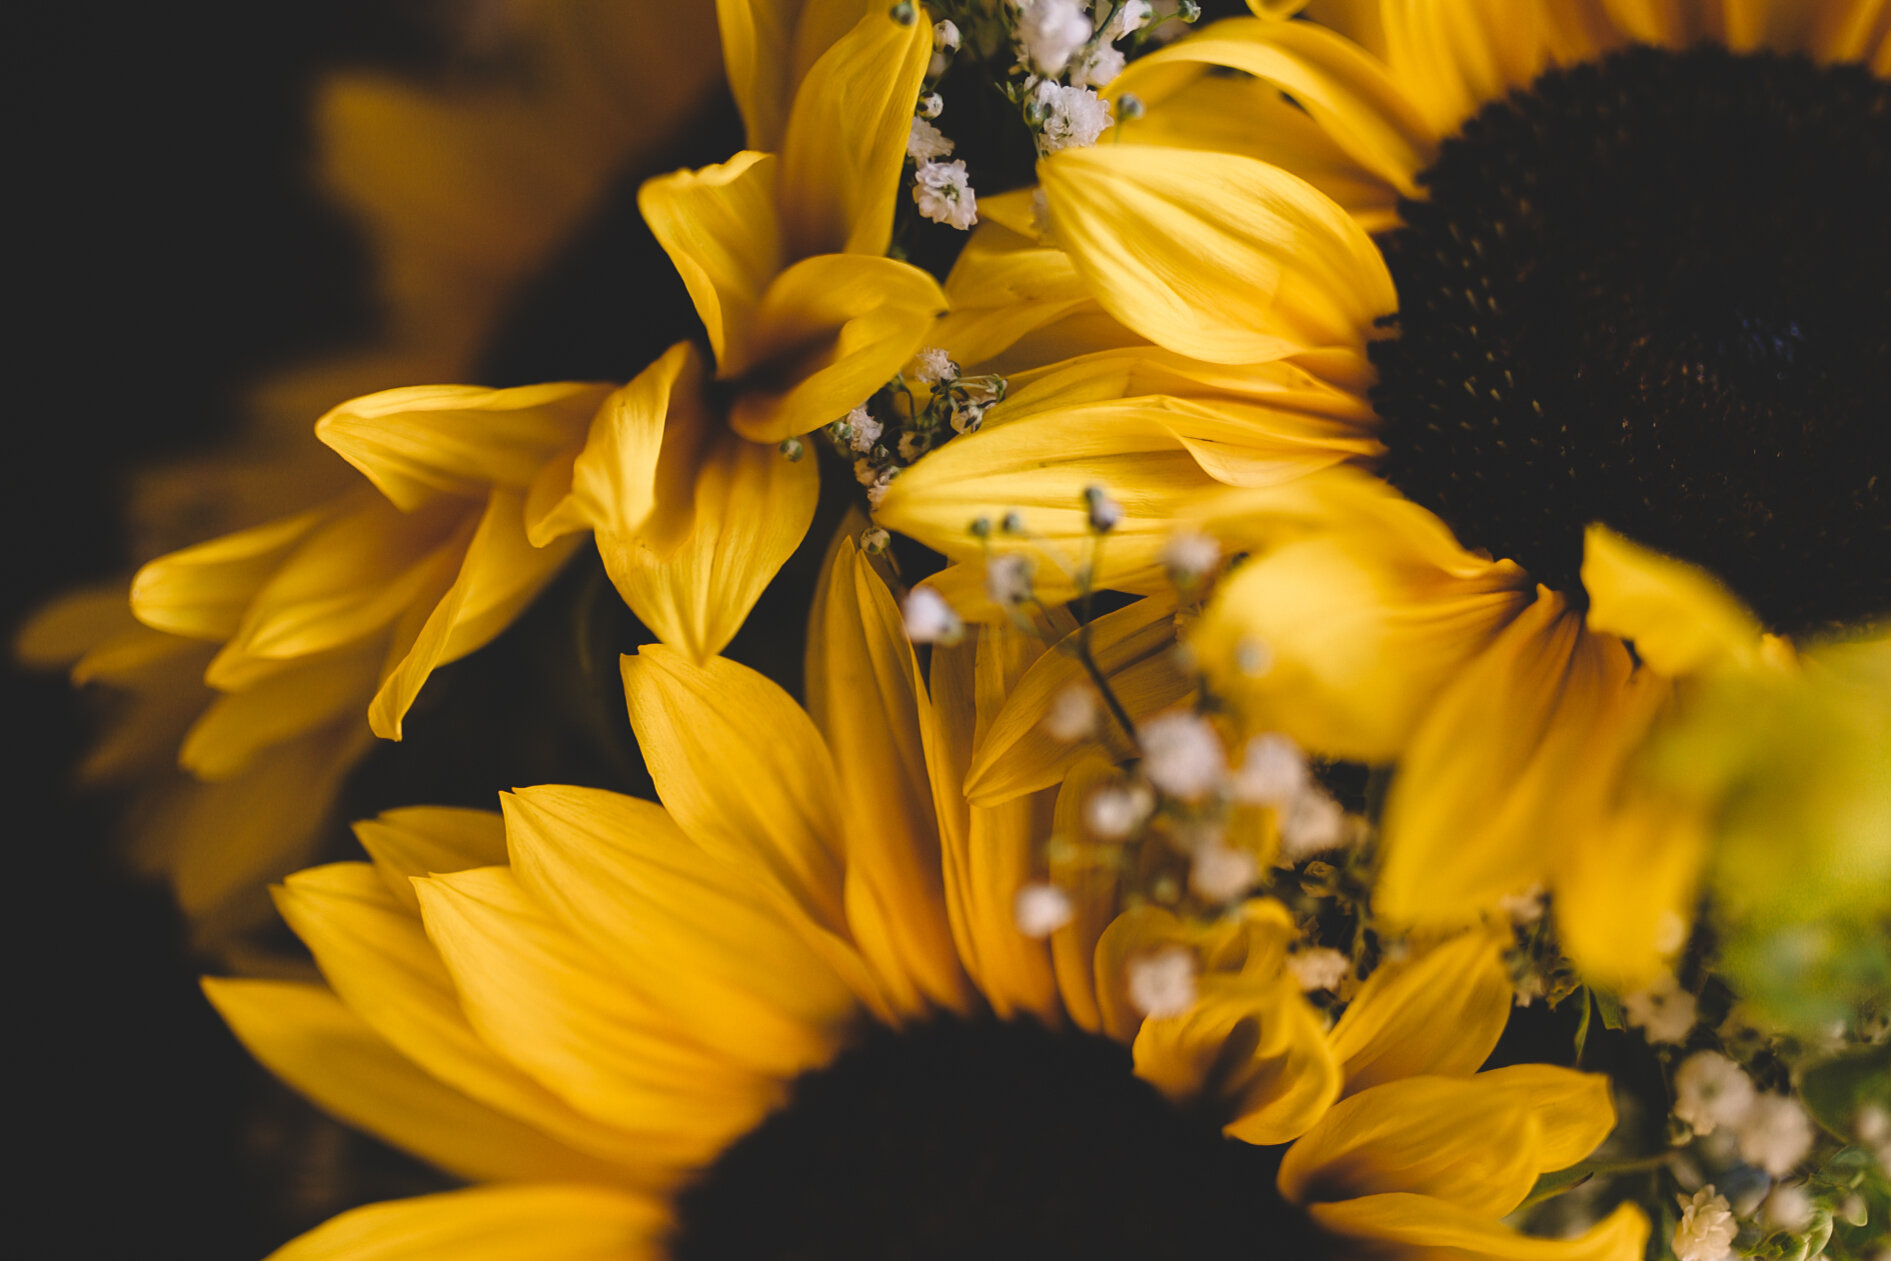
{"type": "Point", "coordinates": [1591, 296]}
{"type": "Point", "coordinates": [789, 1014]}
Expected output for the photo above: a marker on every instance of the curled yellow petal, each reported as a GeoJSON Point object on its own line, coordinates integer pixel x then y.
{"type": "Point", "coordinates": [830, 331]}
{"type": "Point", "coordinates": [420, 441]}
{"type": "Point", "coordinates": [1439, 1014]}
{"type": "Point", "coordinates": [719, 227]}
{"type": "Point", "coordinates": [1424, 1228]}
{"type": "Point", "coordinates": [542, 1220]}
{"type": "Point", "coordinates": [1217, 256]}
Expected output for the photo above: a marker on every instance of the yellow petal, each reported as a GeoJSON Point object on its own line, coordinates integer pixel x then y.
{"type": "Point", "coordinates": [1134, 647]}
{"type": "Point", "coordinates": [752, 508]}
{"type": "Point", "coordinates": [1251, 117]}
{"type": "Point", "coordinates": [700, 938]}
{"type": "Point", "coordinates": [1347, 92]}
{"type": "Point", "coordinates": [1002, 287]}
{"type": "Point", "coordinates": [1342, 634]}
{"type": "Point", "coordinates": [500, 575]}
{"type": "Point", "coordinates": [527, 1223]}
{"type": "Point", "coordinates": [201, 592]}
{"type": "Point", "coordinates": [846, 138]}
{"type": "Point", "coordinates": [376, 956]}
{"type": "Point", "coordinates": [230, 837]}
{"type": "Point", "coordinates": [1678, 617]}
{"type": "Point", "coordinates": [1250, 1045]}
{"type": "Point", "coordinates": [863, 687]}
{"type": "Point", "coordinates": [829, 332]}
{"type": "Point", "coordinates": [1434, 1136]}
{"type": "Point", "coordinates": [1453, 59]}
{"type": "Point", "coordinates": [1478, 1142]}
{"type": "Point", "coordinates": [1421, 1228]}
{"type": "Point", "coordinates": [425, 440]}
{"type": "Point", "coordinates": [1510, 768]}
{"type": "Point", "coordinates": [755, 37]}
{"type": "Point", "coordinates": [639, 460]}
{"type": "Point", "coordinates": [542, 998]}
{"type": "Point", "coordinates": [1217, 256]}
{"type": "Point", "coordinates": [743, 770]}
{"type": "Point", "coordinates": [305, 1035]}
{"type": "Point", "coordinates": [1439, 1014]}
{"type": "Point", "coordinates": [421, 840]}
{"type": "Point", "coordinates": [719, 227]}
{"type": "Point", "coordinates": [348, 579]}
{"type": "Point", "coordinates": [238, 725]}
{"type": "Point", "coordinates": [1626, 891]}
{"type": "Point", "coordinates": [1093, 887]}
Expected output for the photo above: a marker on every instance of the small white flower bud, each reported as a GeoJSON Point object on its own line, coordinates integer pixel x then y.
{"type": "Point", "coordinates": [931, 105]}
{"type": "Point", "coordinates": [1189, 556]}
{"type": "Point", "coordinates": [1041, 909]}
{"type": "Point", "coordinates": [929, 619]}
{"type": "Point", "coordinates": [1105, 513]}
{"type": "Point", "coordinates": [1710, 1091]}
{"type": "Point", "coordinates": [1775, 1134]}
{"type": "Point", "coordinates": [1218, 872]}
{"type": "Point", "coordinates": [1273, 772]}
{"type": "Point", "coordinates": [1706, 1229]}
{"type": "Point", "coordinates": [1321, 968]}
{"type": "Point", "coordinates": [874, 540]}
{"type": "Point", "coordinates": [1313, 824]}
{"type": "Point", "coordinates": [945, 36]}
{"type": "Point", "coordinates": [1788, 1208]}
{"type": "Point", "coordinates": [1008, 579]}
{"type": "Point", "coordinates": [1073, 713]}
{"type": "Point", "coordinates": [926, 142]}
{"type": "Point", "coordinates": [1162, 982]}
{"type": "Point", "coordinates": [1115, 811]}
{"type": "Point", "coordinates": [1182, 755]}
{"type": "Point", "coordinates": [1664, 1011]}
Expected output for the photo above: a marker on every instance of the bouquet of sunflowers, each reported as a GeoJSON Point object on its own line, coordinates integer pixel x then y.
{"type": "Point", "coordinates": [1200, 631]}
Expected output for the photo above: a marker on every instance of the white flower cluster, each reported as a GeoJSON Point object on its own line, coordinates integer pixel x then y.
{"type": "Point", "coordinates": [1773, 1131]}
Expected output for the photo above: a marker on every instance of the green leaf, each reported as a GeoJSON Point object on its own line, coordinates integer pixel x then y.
{"type": "Point", "coordinates": [1609, 1007]}
{"type": "Point", "coordinates": [1835, 1090]}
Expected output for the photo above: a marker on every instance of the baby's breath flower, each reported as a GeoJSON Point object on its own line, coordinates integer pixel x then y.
{"type": "Point", "coordinates": [943, 193]}
{"type": "Point", "coordinates": [1182, 755]}
{"type": "Point", "coordinates": [1051, 31]}
{"type": "Point", "coordinates": [1189, 556]}
{"type": "Point", "coordinates": [1710, 1091]}
{"type": "Point", "coordinates": [1664, 1011]}
{"type": "Point", "coordinates": [1162, 982]}
{"type": "Point", "coordinates": [1273, 772]}
{"type": "Point", "coordinates": [935, 366]}
{"type": "Point", "coordinates": [1008, 579]}
{"type": "Point", "coordinates": [929, 619]}
{"type": "Point", "coordinates": [1775, 1133]}
{"type": "Point", "coordinates": [863, 430]}
{"type": "Point", "coordinates": [1114, 811]}
{"type": "Point", "coordinates": [1071, 117]}
{"type": "Point", "coordinates": [1706, 1229]}
{"type": "Point", "coordinates": [1218, 872]}
{"type": "Point", "coordinates": [926, 142]}
{"type": "Point", "coordinates": [1313, 824]}
{"type": "Point", "coordinates": [1073, 713]}
{"type": "Point", "coordinates": [1041, 909]}
{"type": "Point", "coordinates": [1321, 968]}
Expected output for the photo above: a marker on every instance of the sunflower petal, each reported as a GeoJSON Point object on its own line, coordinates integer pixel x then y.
{"type": "Point", "coordinates": [720, 229]}
{"type": "Point", "coordinates": [421, 840]}
{"type": "Point", "coordinates": [1679, 618]}
{"type": "Point", "coordinates": [202, 591]}
{"type": "Point", "coordinates": [1623, 894]}
{"type": "Point", "coordinates": [501, 573]}
{"type": "Point", "coordinates": [539, 1222]}
{"type": "Point", "coordinates": [238, 725]}
{"type": "Point", "coordinates": [426, 440]}
{"type": "Point", "coordinates": [1510, 769]}
{"type": "Point", "coordinates": [1214, 255]}
{"type": "Point", "coordinates": [377, 958]}
{"type": "Point", "coordinates": [306, 1036]}
{"type": "Point", "coordinates": [1134, 647]}
{"type": "Point", "coordinates": [846, 137]}
{"type": "Point", "coordinates": [1439, 1015]}
{"type": "Point", "coordinates": [830, 330]}
{"type": "Point", "coordinates": [542, 998]}
{"type": "Point", "coordinates": [1422, 1228]}
{"type": "Point", "coordinates": [1346, 91]}
{"type": "Point", "coordinates": [743, 770]}
{"type": "Point", "coordinates": [752, 507]}
{"type": "Point", "coordinates": [863, 694]}
{"type": "Point", "coordinates": [699, 936]}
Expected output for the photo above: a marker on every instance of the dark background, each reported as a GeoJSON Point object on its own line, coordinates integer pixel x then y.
{"type": "Point", "coordinates": [167, 247]}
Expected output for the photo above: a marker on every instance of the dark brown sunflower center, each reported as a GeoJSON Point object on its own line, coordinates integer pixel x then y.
{"type": "Point", "coordinates": [986, 1138]}
{"type": "Point", "coordinates": [1655, 292]}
